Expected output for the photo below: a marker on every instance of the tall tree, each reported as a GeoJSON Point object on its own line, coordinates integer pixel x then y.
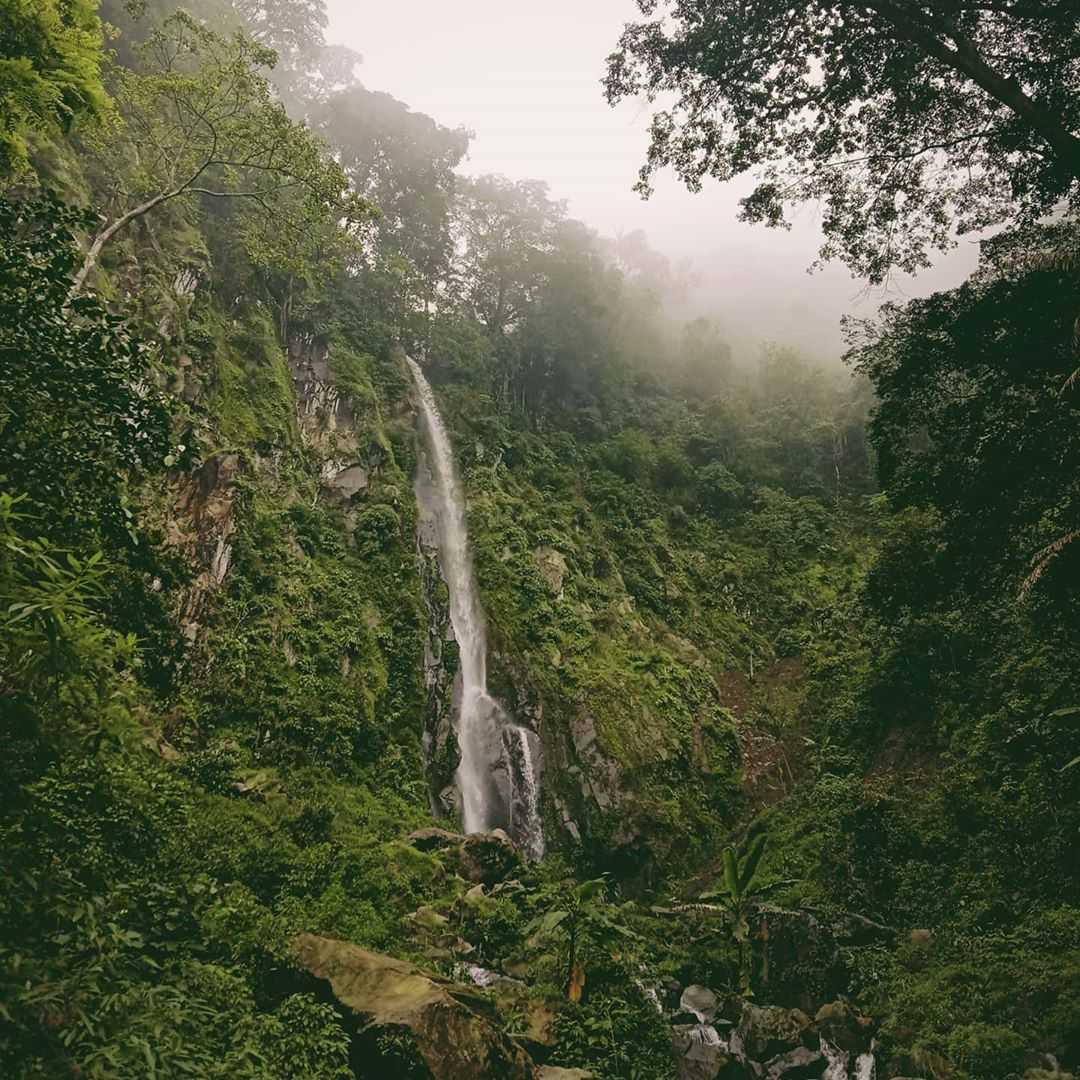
{"type": "Point", "coordinates": [978, 417]}
{"type": "Point", "coordinates": [505, 227]}
{"type": "Point", "coordinates": [906, 118]}
{"type": "Point", "coordinates": [403, 162]}
{"type": "Point", "coordinates": [200, 121]}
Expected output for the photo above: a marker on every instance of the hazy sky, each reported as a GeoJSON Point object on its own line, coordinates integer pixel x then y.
{"type": "Point", "coordinates": [525, 78]}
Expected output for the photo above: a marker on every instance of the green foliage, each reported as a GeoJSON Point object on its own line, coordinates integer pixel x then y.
{"type": "Point", "coordinates": [588, 930]}
{"type": "Point", "coordinates": [51, 54]}
{"type": "Point", "coordinates": [616, 1037]}
{"type": "Point", "coordinates": [80, 416]}
{"type": "Point", "coordinates": [207, 125]}
{"type": "Point", "coordinates": [740, 893]}
{"type": "Point", "coordinates": [890, 150]}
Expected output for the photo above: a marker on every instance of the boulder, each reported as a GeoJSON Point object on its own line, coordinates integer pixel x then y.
{"type": "Point", "coordinates": [766, 1031]}
{"type": "Point", "coordinates": [408, 1023]}
{"type": "Point", "coordinates": [865, 1067]}
{"type": "Point", "coordinates": [841, 1026]}
{"type": "Point", "coordinates": [487, 858]}
{"type": "Point", "coordinates": [553, 1072]}
{"type": "Point", "coordinates": [801, 1063]}
{"type": "Point", "coordinates": [700, 1002]}
{"type": "Point", "coordinates": [701, 1054]}
{"type": "Point", "coordinates": [552, 565]}
{"type": "Point", "coordinates": [434, 839]}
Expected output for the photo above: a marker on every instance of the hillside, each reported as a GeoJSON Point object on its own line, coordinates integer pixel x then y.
{"type": "Point", "coordinates": [793, 644]}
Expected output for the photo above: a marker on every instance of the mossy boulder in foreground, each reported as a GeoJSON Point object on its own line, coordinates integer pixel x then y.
{"type": "Point", "coordinates": [406, 1023]}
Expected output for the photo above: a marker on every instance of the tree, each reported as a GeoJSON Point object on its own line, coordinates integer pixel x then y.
{"type": "Point", "coordinates": [977, 420]}
{"type": "Point", "coordinates": [50, 70]}
{"type": "Point", "coordinates": [202, 121]}
{"type": "Point", "coordinates": [504, 227]}
{"type": "Point", "coordinates": [906, 118]}
{"type": "Point", "coordinates": [307, 69]}
{"type": "Point", "coordinates": [585, 926]}
{"type": "Point", "coordinates": [403, 162]}
{"type": "Point", "coordinates": [739, 893]}
{"type": "Point", "coordinates": [79, 412]}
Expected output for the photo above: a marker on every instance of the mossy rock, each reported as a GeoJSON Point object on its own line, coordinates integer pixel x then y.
{"type": "Point", "coordinates": [408, 1023]}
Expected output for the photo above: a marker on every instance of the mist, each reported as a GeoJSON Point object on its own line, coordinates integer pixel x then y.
{"type": "Point", "coordinates": [525, 79]}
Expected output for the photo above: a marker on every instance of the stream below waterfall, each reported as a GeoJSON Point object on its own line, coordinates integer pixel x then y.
{"type": "Point", "coordinates": [498, 775]}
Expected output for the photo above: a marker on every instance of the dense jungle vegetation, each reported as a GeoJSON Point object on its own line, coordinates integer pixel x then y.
{"type": "Point", "coordinates": [799, 638]}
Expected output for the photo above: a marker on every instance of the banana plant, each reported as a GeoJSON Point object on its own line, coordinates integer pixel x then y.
{"type": "Point", "coordinates": [584, 923]}
{"type": "Point", "coordinates": [739, 893]}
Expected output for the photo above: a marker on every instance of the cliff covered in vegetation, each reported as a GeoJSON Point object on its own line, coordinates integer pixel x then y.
{"type": "Point", "coordinates": [797, 643]}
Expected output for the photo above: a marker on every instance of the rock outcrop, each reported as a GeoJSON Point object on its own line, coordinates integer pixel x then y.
{"type": "Point", "coordinates": [772, 1043]}
{"type": "Point", "coordinates": [408, 1023]}
{"type": "Point", "coordinates": [482, 858]}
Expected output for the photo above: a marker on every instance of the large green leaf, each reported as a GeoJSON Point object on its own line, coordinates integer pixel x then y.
{"type": "Point", "coordinates": [750, 863]}
{"type": "Point", "coordinates": [731, 873]}
{"type": "Point", "coordinates": [588, 890]}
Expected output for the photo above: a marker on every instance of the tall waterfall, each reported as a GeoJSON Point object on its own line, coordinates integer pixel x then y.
{"type": "Point", "coordinates": [491, 744]}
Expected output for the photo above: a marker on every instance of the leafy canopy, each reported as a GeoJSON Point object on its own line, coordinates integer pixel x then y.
{"type": "Point", "coordinates": [977, 420]}
{"type": "Point", "coordinates": [199, 119]}
{"type": "Point", "coordinates": [78, 409]}
{"type": "Point", "coordinates": [904, 119]}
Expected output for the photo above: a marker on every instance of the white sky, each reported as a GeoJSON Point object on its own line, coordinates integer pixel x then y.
{"type": "Point", "coordinates": [525, 78]}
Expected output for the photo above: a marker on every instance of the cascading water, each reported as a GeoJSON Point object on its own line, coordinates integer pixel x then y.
{"type": "Point", "coordinates": [489, 741]}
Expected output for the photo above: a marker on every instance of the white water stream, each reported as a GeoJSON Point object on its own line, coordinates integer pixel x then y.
{"type": "Point", "coordinates": [490, 742]}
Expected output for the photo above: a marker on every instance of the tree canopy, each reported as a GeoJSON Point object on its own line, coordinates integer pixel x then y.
{"type": "Point", "coordinates": [905, 119]}
{"type": "Point", "coordinates": [199, 119]}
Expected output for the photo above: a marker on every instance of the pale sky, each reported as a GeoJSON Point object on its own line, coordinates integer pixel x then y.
{"type": "Point", "coordinates": [525, 78]}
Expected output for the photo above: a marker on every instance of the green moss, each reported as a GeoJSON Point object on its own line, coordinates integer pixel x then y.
{"type": "Point", "coordinates": [249, 392]}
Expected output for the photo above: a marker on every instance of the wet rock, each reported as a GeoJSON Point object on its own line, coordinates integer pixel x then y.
{"type": "Point", "coordinates": [700, 1002]}
{"type": "Point", "coordinates": [841, 1026]}
{"type": "Point", "coordinates": [865, 1067]}
{"type": "Point", "coordinates": [434, 839]}
{"type": "Point", "coordinates": [766, 1031]}
{"type": "Point", "coordinates": [435, 1029]}
{"type": "Point", "coordinates": [801, 1063]}
{"type": "Point", "coordinates": [487, 858]}
{"type": "Point", "coordinates": [838, 1062]}
{"type": "Point", "coordinates": [700, 1053]}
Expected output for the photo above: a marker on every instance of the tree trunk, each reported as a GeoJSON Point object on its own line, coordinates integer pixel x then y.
{"type": "Point", "coordinates": [106, 234]}
{"type": "Point", "coordinates": [966, 60]}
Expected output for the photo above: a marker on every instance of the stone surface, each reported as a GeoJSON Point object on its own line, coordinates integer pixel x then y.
{"type": "Point", "coordinates": [766, 1031]}
{"type": "Point", "coordinates": [700, 1002]}
{"type": "Point", "coordinates": [487, 858]}
{"type": "Point", "coordinates": [553, 1072]}
{"type": "Point", "coordinates": [350, 481]}
{"type": "Point", "coordinates": [801, 1063]}
{"type": "Point", "coordinates": [841, 1026]}
{"type": "Point", "coordinates": [552, 565]}
{"type": "Point", "coordinates": [434, 839]}
{"type": "Point", "coordinates": [700, 1053]}
{"type": "Point", "coordinates": [435, 1028]}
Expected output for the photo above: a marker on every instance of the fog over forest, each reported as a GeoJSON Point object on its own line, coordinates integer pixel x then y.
{"type": "Point", "coordinates": [525, 79]}
{"type": "Point", "coordinates": [461, 620]}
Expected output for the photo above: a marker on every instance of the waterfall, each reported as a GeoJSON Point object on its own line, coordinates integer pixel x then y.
{"type": "Point", "coordinates": [491, 743]}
